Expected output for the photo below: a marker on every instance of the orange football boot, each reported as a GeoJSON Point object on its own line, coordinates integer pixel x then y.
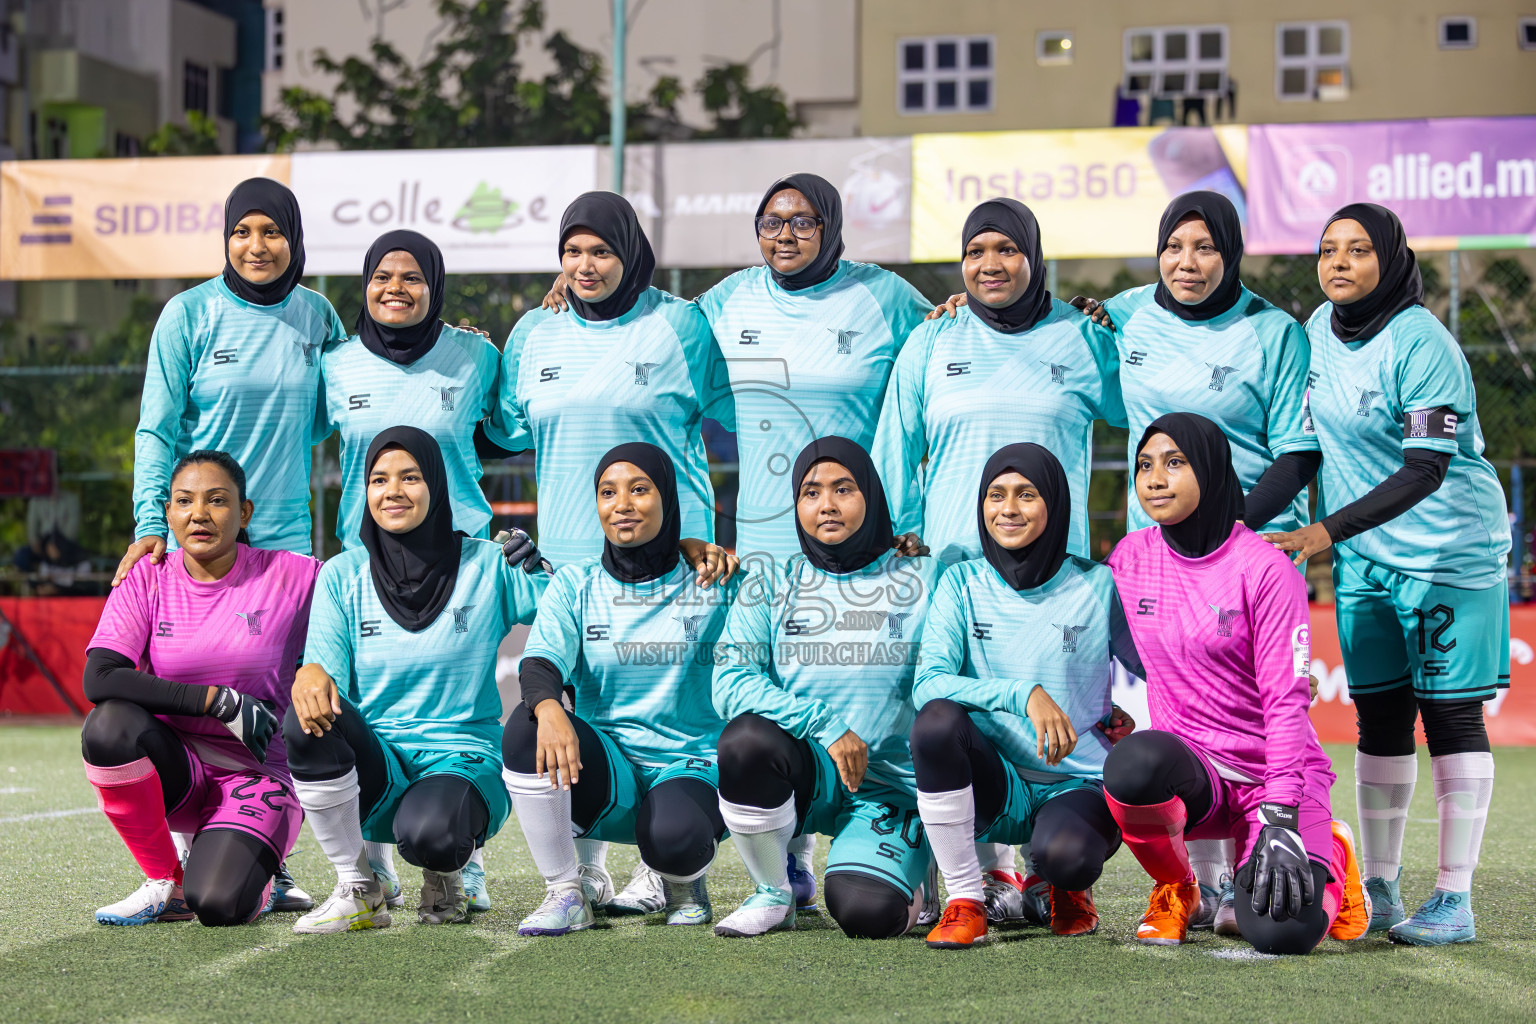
{"type": "Point", "coordinates": [1167, 918]}
{"type": "Point", "coordinates": [1072, 913]}
{"type": "Point", "coordinates": [1354, 917]}
{"type": "Point", "coordinates": [963, 925]}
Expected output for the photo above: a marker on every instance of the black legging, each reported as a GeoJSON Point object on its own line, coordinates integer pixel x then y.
{"type": "Point", "coordinates": [1385, 720]}
{"type": "Point", "coordinates": [677, 825]}
{"type": "Point", "coordinates": [1073, 834]}
{"type": "Point", "coordinates": [761, 765]}
{"type": "Point", "coordinates": [440, 819]}
{"type": "Point", "coordinates": [1153, 767]}
{"type": "Point", "coordinates": [227, 871]}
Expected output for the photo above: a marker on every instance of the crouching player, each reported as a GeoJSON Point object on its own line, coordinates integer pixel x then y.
{"type": "Point", "coordinates": [188, 669]}
{"type": "Point", "coordinates": [1014, 689]}
{"type": "Point", "coordinates": [1221, 623]}
{"type": "Point", "coordinates": [395, 717]}
{"type": "Point", "coordinates": [634, 634]}
{"type": "Point", "coordinates": [815, 678]}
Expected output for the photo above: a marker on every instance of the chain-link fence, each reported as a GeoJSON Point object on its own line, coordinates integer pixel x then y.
{"type": "Point", "coordinates": [77, 393]}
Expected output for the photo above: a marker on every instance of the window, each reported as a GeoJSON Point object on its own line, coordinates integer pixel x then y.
{"type": "Point", "coordinates": [944, 75]}
{"type": "Point", "coordinates": [1312, 60]}
{"type": "Point", "coordinates": [56, 139]}
{"type": "Point", "coordinates": [1528, 33]}
{"type": "Point", "coordinates": [1176, 60]}
{"type": "Point", "coordinates": [274, 38]}
{"type": "Point", "coordinates": [194, 87]}
{"type": "Point", "coordinates": [1053, 48]}
{"type": "Point", "coordinates": [1458, 33]}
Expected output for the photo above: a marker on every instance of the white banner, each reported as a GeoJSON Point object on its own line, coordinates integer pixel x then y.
{"type": "Point", "coordinates": [491, 210]}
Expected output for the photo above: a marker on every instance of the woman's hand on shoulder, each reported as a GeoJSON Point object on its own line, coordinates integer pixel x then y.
{"type": "Point", "coordinates": [909, 545]}
{"type": "Point", "coordinates": [1093, 309]}
{"type": "Point", "coordinates": [555, 298]}
{"type": "Point", "coordinates": [1302, 544]}
{"type": "Point", "coordinates": [950, 305]}
{"type": "Point", "coordinates": [713, 563]}
{"type": "Point", "coordinates": [154, 547]}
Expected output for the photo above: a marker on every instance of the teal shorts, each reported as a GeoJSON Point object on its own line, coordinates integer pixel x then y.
{"type": "Point", "coordinates": [1450, 643]}
{"type": "Point", "coordinates": [629, 782]}
{"type": "Point", "coordinates": [1015, 823]}
{"type": "Point", "coordinates": [480, 768]}
{"type": "Point", "coordinates": [876, 833]}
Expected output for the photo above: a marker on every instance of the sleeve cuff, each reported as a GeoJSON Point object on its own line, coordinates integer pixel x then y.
{"type": "Point", "coordinates": [831, 732]}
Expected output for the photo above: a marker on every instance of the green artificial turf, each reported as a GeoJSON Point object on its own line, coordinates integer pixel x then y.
{"type": "Point", "coordinates": [57, 965]}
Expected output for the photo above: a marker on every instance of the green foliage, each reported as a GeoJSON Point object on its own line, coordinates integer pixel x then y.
{"type": "Point", "coordinates": [198, 137]}
{"type": "Point", "coordinates": [740, 111]}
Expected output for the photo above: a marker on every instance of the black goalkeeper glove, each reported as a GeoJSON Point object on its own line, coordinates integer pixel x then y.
{"type": "Point", "coordinates": [518, 549]}
{"type": "Point", "coordinates": [252, 721]}
{"type": "Point", "coordinates": [1278, 873]}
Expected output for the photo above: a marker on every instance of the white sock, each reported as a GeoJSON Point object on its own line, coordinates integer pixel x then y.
{"type": "Point", "coordinates": [1463, 787]}
{"type": "Point", "coordinates": [949, 818]}
{"type": "Point", "coordinates": [592, 852]}
{"type": "Point", "coordinates": [545, 816]}
{"type": "Point", "coordinates": [762, 836]}
{"type": "Point", "coordinates": [997, 857]}
{"type": "Point", "coordinates": [1383, 790]}
{"type": "Point", "coordinates": [1209, 859]}
{"type": "Point", "coordinates": [332, 809]}
{"type": "Point", "coordinates": [382, 854]}
{"type": "Point", "coordinates": [478, 858]}
{"type": "Point", "coordinates": [183, 843]}
{"type": "Point", "coordinates": [804, 849]}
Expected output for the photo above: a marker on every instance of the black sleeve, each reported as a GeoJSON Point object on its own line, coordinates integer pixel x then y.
{"type": "Point", "coordinates": [1286, 477]}
{"type": "Point", "coordinates": [540, 680]}
{"type": "Point", "coordinates": [109, 675]}
{"type": "Point", "coordinates": [1422, 473]}
{"type": "Point", "coordinates": [486, 448]}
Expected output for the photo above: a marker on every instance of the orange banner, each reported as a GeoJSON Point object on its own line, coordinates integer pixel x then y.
{"type": "Point", "coordinates": [161, 217]}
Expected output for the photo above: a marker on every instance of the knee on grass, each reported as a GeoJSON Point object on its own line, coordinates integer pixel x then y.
{"type": "Point", "coordinates": [868, 908]}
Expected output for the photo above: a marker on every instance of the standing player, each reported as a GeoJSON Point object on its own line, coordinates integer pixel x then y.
{"type": "Point", "coordinates": [635, 636]}
{"type": "Point", "coordinates": [815, 677]}
{"type": "Point", "coordinates": [1419, 567]}
{"type": "Point", "coordinates": [1009, 745]}
{"type": "Point", "coordinates": [392, 735]}
{"type": "Point", "coordinates": [1221, 624]}
{"type": "Point", "coordinates": [191, 662]}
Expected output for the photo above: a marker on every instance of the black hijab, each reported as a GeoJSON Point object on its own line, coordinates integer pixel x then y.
{"type": "Point", "coordinates": [1014, 219]}
{"type": "Point", "coordinates": [1036, 564]}
{"type": "Point", "coordinates": [1400, 286]}
{"type": "Point", "coordinates": [404, 345]}
{"type": "Point", "coordinates": [610, 217]}
{"type": "Point", "coordinates": [874, 536]}
{"type": "Point", "coordinates": [414, 572]}
{"type": "Point", "coordinates": [657, 556]}
{"type": "Point", "coordinates": [277, 201]}
{"type": "Point", "coordinates": [1226, 230]}
{"type": "Point", "coordinates": [829, 207]}
{"type": "Point", "coordinates": [1221, 494]}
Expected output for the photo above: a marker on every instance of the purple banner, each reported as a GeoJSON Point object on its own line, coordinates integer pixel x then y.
{"type": "Point", "coordinates": [1467, 182]}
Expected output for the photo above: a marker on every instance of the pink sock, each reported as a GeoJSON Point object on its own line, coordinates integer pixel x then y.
{"type": "Point", "coordinates": [1155, 834]}
{"type": "Point", "coordinates": [1333, 891]}
{"type": "Point", "coordinates": [131, 798]}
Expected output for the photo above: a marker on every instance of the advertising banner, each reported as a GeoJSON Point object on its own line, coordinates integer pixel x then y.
{"type": "Point", "coordinates": [161, 217]}
{"type": "Point", "coordinates": [490, 210]}
{"type": "Point", "coordinates": [1457, 183]}
{"type": "Point", "coordinates": [697, 199]}
{"type": "Point", "coordinates": [1096, 193]}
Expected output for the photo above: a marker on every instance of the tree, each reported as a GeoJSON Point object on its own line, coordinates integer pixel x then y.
{"type": "Point", "coordinates": [198, 137]}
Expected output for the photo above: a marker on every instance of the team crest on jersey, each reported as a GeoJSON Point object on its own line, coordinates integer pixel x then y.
{"type": "Point", "coordinates": [1219, 375]}
{"type": "Point", "coordinates": [1225, 618]}
{"type": "Point", "coordinates": [447, 394]}
{"type": "Point", "coordinates": [1367, 396]}
{"type": "Point", "coordinates": [1069, 636]}
{"type": "Point", "coordinates": [461, 618]}
{"type": "Point", "coordinates": [844, 340]}
{"type": "Point", "coordinates": [307, 350]}
{"type": "Point", "coordinates": [1058, 371]}
{"type": "Point", "coordinates": [856, 620]}
{"type": "Point", "coordinates": [252, 622]}
{"type": "Point", "coordinates": [642, 372]}
{"type": "Point", "coordinates": [691, 625]}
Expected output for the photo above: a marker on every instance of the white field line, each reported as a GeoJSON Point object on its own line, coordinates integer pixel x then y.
{"type": "Point", "coordinates": [44, 815]}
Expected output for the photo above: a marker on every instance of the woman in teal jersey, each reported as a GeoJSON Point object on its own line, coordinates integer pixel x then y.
{"type": "Point", "coordinates": [1419, 559]}
{"type": "Point", "coordinates": [634, 637]}
{"type": "Point", "coordinates": [234, 366]}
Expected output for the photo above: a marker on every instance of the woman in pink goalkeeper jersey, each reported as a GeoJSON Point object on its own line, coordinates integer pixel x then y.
{"type": "Point", "coordinates": [190, 671]}
{"type": "Point", "coordinates": [1220, 619]}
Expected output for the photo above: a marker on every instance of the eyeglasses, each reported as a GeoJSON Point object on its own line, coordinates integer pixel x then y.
{"type": "Point", "coordinates": [770, 226]}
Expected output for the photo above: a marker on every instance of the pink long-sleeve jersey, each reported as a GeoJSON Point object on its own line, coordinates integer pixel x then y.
{"type": "Point", "coordinates": [1226, 645]}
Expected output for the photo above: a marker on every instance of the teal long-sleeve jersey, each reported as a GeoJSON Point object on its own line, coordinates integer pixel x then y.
{"type": "Point", "coordinates": [572, 389]}
{"type": "Point", "coordinates": [803, 364]}
{"type": "Point", "coordinates": [1245, 371]}
{"type": "Point", "coordinates": [820, 654]}
{"type": "Point", "coordinates": [962, 390]}
{"type": "Point", "coordinates": [240, 378]}
{"type": "Point", "coordinates": [446, 393]}
{"type": "Point", "coordinates": [431, 690]}
{"type": "Point", "coordinates": [640, 656]}
{"type": "Point", "coordinates": [987, 646]}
